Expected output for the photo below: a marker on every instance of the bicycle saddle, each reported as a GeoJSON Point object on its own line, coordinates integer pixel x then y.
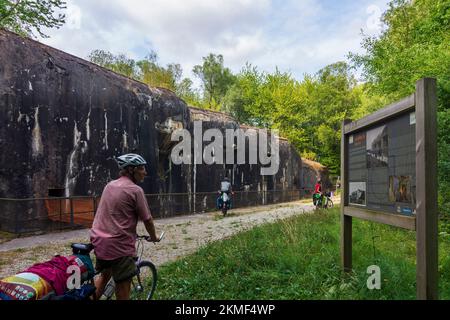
{"type": "Point", "coordinates": [82, 248]}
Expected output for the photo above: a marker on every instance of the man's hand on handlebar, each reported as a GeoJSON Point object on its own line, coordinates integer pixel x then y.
{"type": "Point", "coordinates": [149, 239]}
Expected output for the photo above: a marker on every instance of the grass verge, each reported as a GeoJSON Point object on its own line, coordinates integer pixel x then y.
{"type": "Point", "coordinates": [299, 258]}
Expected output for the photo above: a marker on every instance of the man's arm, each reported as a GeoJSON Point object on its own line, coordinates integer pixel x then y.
{"type": "Point", "coordinates": [150, 227]}
{"type": "Point", "coordinates": [144, 214]}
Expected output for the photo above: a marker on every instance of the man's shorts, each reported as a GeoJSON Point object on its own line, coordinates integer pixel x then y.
{"type": "Point", "coordinates": [122, 268]}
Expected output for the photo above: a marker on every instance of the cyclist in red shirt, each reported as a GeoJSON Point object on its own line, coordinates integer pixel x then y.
{"type": "Point", "coordinates": [317, 192]}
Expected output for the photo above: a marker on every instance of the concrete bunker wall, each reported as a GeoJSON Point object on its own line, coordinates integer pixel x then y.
{"type": "Point", "coordinates": [63, 120]}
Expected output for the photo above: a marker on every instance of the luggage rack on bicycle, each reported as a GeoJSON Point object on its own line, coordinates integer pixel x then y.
{"type": "Point", "coordinates": [82, 248]}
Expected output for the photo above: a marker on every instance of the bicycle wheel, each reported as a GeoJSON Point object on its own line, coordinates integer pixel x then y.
{"type": "Point", "coordinates": [330, 203]}
{"type": "Point", "coordinates": [143, 285]}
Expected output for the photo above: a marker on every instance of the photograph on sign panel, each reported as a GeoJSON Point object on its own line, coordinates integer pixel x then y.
{"type": "Point", "coordinates": [358, 139]}
{"type": "Point", "coordinates": [400, 189]}
{"type": "Point", "coordinates": [377, 147]}
{"type": "Point", "coordinates": [357, 193]}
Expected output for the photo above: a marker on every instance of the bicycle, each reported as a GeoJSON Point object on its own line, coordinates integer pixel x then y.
{"type": "Point", "coordinates": [224, 202]}
{"type": "Point", "coordinates": [324, 201]}
{"type": "Point", "coordinates": [143, 284]}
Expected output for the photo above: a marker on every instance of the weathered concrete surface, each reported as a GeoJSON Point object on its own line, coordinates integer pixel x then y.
{"type": "Point", "coordinates": [311, 172]}
{"type": "Point", "coordinates": [64, 120]}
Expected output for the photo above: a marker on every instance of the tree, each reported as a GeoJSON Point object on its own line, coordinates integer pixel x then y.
{"type": "Point", "coordinates": [102, 58]}
{"type": "Point", "coordinates": [25, 16]}
{"type": "Point", "coordinates": [307, 113]}
{"type": "Point", "coordinates": [151, 73]}
{"type": "Point", "coordinates": [415, 44]}
{"type": "Point", "coordinates": [119, 63]}
{"type": "Point", "coordinates": [243, 98]}
{"type": "Point", "coordinates": [216, 79]}
{"type": "Point", "coordinates": [125, 66]}
{"type": "Point", "coordinates": [148, 71]}
{"type": "Point", "coordinates": [333, 97]}
{"type": "Point", "coordinates": [185, 91]}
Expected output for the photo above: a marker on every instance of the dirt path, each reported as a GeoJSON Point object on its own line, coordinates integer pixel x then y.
{"type": "Point", "coordinates": [184, 235]}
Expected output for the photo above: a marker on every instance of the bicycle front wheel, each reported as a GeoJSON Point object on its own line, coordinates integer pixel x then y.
{"type": "Point", "coordinates": [143, 285]}
{"type": "Point", "coordinates": [330, 203]}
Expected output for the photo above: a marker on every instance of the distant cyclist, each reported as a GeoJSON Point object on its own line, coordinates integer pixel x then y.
{"type": "Point", "coordinates": [225, 187]}
{"type": "Point", "coordinates": [113, 232]}
{"type": "Point", "coordinates": [317, 192]}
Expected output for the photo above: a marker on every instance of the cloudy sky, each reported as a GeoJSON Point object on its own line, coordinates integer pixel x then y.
{"type": "Point", "coordinates": [298, 36]}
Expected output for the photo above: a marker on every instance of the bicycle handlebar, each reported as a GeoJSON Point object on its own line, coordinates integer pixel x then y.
{"type": "Point", "coordinates": [148, 237]}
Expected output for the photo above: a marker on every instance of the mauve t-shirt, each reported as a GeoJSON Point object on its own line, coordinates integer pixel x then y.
{"type": "Point", "coordinates": [113, 232]}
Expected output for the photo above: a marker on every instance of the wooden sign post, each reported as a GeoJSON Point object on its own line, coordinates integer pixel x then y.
{"type": "Point", "coordinates": [377, 196]}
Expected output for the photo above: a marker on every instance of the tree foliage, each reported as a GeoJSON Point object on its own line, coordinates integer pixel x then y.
{"type": "Point", "coordinates": [309, 113]}
{"type": "Point", "coordinates": [216, 79]}
{"type": "Point", "coordinates": [26, 16]}
{"type": "Point", "coordinates": [415, 44]}
{"type": "Point", "coordinates": [149, 71]}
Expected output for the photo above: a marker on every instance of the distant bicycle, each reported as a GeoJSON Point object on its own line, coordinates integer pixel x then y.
{"type": "Point", "coordinates": [224, 202]}
{"type": "Point", "coordinates": [324, 201]}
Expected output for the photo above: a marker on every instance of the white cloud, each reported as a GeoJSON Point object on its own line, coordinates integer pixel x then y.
{"type": "Point", "coordinates": [73, 16]}
{"type": "Point", "coordinates": [297, 36]}
{"type": "Point", "coordinates": [195, 28]}
{"type": "Point", "coordinates": [373, 23]}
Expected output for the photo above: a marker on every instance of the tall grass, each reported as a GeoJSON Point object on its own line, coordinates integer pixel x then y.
{"type": "Point", "coordinates": [299, 258]}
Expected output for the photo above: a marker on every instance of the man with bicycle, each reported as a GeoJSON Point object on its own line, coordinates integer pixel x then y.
{"type": "Point", "coordinates": [225, 187]}
{"type": "Point", "coordinates": [113, 232]}
{"type": "Point", "coordinates": [317, 195]}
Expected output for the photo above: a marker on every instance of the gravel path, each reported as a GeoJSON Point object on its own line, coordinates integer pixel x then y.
{"type": "Point", "coordinates": [183, 235]}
